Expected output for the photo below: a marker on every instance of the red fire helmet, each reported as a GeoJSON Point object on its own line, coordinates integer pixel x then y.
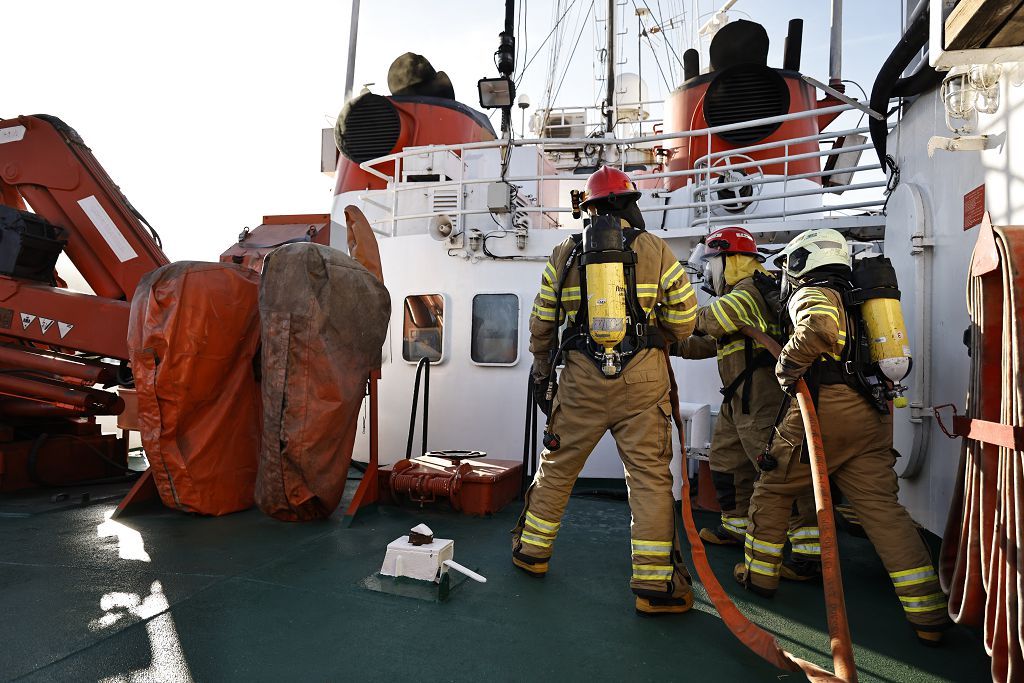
{"type": "Point", "coordinates": [610, 184]}
{"type": "Point", "coordinates": [732, 240]}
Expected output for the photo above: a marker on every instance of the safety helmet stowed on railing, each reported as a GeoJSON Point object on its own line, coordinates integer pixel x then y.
{"type": "Point", "coordinates": [612, 185]}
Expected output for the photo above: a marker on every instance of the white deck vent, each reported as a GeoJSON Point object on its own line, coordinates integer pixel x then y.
{"type": "Point", "coordinates": [446, 200]}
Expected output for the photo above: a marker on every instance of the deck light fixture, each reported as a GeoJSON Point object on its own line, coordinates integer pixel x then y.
{"type": "Point", "coordinates": [959, 99]}
{"type": "Point", "coordinates": [496, 93]}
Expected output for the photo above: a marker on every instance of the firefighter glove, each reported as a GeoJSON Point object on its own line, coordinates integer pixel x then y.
{"type": "Point", "coordinates": [540, 388]}
{"type": "Point", "coordinates": [787, 375]}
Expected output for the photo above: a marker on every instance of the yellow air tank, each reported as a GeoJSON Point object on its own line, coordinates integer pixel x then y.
{"type": "Point", "coordinates": [603, 258]}
{"type": "Point", "coordinates": [883, 318]}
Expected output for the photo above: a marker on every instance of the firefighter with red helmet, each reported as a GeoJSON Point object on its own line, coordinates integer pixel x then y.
{"type": "Point", "coordinates": [745, 294]}
{"type": "Point", "coordinates": [623, 297]}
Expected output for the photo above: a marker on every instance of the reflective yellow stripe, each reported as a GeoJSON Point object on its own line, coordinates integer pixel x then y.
{"type": "Point", "coordinates": [549, 274]}
{"type": "Point", "coordinates": [660, 548]}
{"type": "Point", "coordinates": [669, 277]}
{"type": "Point", "coordinates": [647, 289]}
{"type": "Point", "coordinates": [803, 532]}
{"type": "Point", "coordinates": [571, 294]}
{"type": "Point", "coordinates": [671, 316]}
{"type": "Point", "coordinates": [733, 347]}
{"type": "Point", "coordinates": [923, 603]}
{"type": "Point", "coordinates": [764, 568]}
{"type": "Point", "coordinates": [548, 294]}
{"type": "Point", "coordinates": [830, 311]}
{"type": "Point", "coordinates": [738, 308]}
{"type": "Point", "coordinates": [544, 313]}
{"type": "Point", "coordinates": [655, 572]}
{"type": "Point", "coordinates": [807, 548]}
{"type": "Point", "coordinates": [542, 524]}
{"type": "Point", "coordinates": [773, 549]}
{"type": "Point", "coordinates": [723, 320]}
{"type": "Point", "coordinates": [679, 295]}
{"type": "Point", "coordinates": [913, 577]}
{"type": "Point", "coordinates": [736, 524]}
{"type": "Point", "coordinates": [752, 305]}
{"type": "Point", "coordinates": [535, 539]}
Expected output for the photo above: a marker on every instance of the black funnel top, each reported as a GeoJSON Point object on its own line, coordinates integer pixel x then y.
{"type": "Point", "coordinates": [739, 42]}
{"type": "Point", "coordinates": [412, 74]}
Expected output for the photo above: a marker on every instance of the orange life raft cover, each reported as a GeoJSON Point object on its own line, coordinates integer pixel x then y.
{"type": "Point", "coordinates": [192, 339]}
{"type": "Point", "coordinates": [324, 318]}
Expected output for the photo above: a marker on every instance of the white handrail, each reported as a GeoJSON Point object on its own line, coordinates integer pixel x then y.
{"type": "Point", "coordinates": [714, 130]}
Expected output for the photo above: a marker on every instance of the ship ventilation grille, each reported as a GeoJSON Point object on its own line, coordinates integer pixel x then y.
{"type": "Point", "coordinates": [446, 200]}
{"type": "Point", "coordinates": [369, 129]}
{"type": "Point", "coordinates": [746, 93]}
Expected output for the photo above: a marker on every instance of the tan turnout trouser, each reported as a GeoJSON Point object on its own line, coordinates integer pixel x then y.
{"type": "Point", "coordinates": [737, 442]}
{"type": "Point", "coordinates": [635, 407]}
{"type": "Point", "coordinates": [858, 448]}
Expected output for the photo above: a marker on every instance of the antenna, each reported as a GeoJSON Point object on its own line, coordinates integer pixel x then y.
{"type": "Point", "coordinates": [610, 102]}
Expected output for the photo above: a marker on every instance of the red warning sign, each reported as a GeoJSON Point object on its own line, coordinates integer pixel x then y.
{"type": "Point", "coordinates": [974, 207]}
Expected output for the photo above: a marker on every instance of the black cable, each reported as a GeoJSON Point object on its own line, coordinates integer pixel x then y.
{"type": "Point", "coordinates": [668, 45]}
{"type": "Point", "coordinates": [543, 43]}
{"type": "Point", "coordinates": [571, 54]}
{"type": "Point", "coordinates": [531, 416]}
{"type": "Point", "coordinates": [662, 26]}
{"type": "Point", "coordinates": [422, 371]}
{"type": "Point", "coordinates": [654, 52]}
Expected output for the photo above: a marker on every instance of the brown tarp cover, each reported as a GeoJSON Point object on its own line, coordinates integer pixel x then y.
{"type": "Point", "coordinates": [192, 338]}
{"type": "Point", "coordinates": [324, 318]}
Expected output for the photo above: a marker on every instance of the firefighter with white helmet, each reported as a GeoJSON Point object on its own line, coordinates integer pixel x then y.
{"type": "Point", "coordinates": [746, 295]}
{"type": "Point", "coordinates": [624, 297]}
{"type": "Point", "coordinates": [856, 430]}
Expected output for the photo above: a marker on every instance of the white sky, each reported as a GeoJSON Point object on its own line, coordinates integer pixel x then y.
{"type": "Point", "coordinates": [208, 114]}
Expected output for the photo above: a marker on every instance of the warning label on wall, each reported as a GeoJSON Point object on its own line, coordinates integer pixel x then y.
{"type": "Point", "coordinates": [974, 207]}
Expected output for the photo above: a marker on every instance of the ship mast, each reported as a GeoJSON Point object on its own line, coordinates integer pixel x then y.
{"type": "Point", "coordinates": [610, 57]}
{"type": "Point", "coordinates": [353, 33]}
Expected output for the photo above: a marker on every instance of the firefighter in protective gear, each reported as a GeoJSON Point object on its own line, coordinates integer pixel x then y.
{"type": "Point", "coordinates": [857, 439]}
{"type": "Point", "coordinates": [751, 396]}
{"type": "Point", "coordinates": [633, 404]}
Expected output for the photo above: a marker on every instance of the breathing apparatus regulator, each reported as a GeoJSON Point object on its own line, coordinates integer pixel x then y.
{"type": "Point", "coordinates": [877, 355]}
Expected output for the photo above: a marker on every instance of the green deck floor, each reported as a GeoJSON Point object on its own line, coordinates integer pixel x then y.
{"type": "Point", "coordinates": [258, 600]}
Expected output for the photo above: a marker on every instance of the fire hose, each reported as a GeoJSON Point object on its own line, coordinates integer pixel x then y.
{"type": "Point", "coordinates": [979, 565]}
{"type": "Point", "coordinates": [754, 637]}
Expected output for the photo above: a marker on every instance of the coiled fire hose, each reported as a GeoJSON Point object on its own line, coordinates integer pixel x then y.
{"type": "Point", "coordinates": [754, 637]}
{"type": "Point", "coordinates": [983, 543]}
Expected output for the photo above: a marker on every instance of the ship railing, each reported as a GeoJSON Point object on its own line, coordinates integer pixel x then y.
{"type": "Point", "coordinates": [594, 118]}
{"type": "Point", "coordinates": [704, 173]}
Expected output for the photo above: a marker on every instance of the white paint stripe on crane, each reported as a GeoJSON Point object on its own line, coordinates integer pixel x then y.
{"type": "Point", "coordinates": [107, 229]}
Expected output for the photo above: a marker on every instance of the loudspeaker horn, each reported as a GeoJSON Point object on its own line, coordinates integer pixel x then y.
{"type": "Point", "coordinates": [440, 227]}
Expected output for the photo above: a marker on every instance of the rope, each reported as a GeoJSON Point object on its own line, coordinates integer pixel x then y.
{"type": "Point", "coordinates": [981, 548]}
{"type": "Point", "coordinates": [759, 641]}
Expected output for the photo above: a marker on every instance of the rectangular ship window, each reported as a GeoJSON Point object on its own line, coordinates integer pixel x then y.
{"type": "Point", "coordinates": [495, 335]}
{"type": "Point", "coordinates": [423, 327]}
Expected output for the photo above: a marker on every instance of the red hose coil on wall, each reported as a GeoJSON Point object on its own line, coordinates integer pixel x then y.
{"type": "Point", "coordinates": [981, 547]}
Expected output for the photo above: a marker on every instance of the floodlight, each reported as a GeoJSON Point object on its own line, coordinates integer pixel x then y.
{"type": "Point", "coordinates": [496, 92]}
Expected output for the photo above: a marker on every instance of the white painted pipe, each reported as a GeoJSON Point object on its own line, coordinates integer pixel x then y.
{"type": "Point", "coordinates": [698, 416]}
{"type": "Point", "coordinates": [452, 564]}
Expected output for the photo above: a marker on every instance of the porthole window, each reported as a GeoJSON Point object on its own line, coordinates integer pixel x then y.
{"type": "Point", "coordinates": [423, 327]}
{"type": "Point", "coordinates": [495, 334]}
